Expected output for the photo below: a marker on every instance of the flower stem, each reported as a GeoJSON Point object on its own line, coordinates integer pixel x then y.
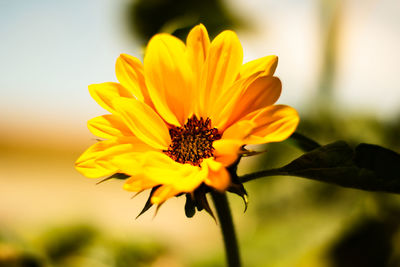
{"type": "Point", "coordinates": [227, 228]}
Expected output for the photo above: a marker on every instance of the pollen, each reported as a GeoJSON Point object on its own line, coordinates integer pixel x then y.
{"type": "Point", "coordinates": [192, 142]}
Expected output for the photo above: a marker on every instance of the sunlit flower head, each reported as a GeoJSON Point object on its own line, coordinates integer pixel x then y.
{"type": "Point", "coordinates": [183, 116]}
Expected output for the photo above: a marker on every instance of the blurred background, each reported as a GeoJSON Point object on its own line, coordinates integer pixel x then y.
{"type": "Point", "coordinates": [338, 62]}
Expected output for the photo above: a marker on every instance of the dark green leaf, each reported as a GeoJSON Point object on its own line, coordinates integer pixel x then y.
{"type": "Point", "coordinates": [236, 186]}
{"type": "Point", "coordinates": [121, 176]}
{"type": "Point", "coordinates": [238, 189]}
{"type": "Point", "coordinates": [367, 167]}
{"type": "Point", "coordinates": [206, 206]}
{"type": "Point", "coordinates": [148, 204]}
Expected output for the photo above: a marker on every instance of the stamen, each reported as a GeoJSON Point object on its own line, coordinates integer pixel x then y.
{"type": "Point", "coordinates": [192, 142]}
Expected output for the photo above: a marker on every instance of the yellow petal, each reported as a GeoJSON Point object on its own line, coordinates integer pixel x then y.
{"type": "Point", "coordinates": [130, 74]}
{"type": "Point", "coordinates": [239, 130]}
{"type": "Point", "coordinates": [263, 92]}
{"type": "Point", "coordinates": [273, 124]}
{"type": "Point", "coordinates": [265, 65]}
{"type": "Point", "coordinates": [104, 93]}
{"type": "Point", "coordinates": [218, 177]}
{"type": "Point", "coordinates": [163, 193]}
{"type": "Point", "coordinates": [197, 46]}
{"type": "Point", "coordinates": [143, 122]}
{"type": "Point", "coordinates": [127, 145]}
{"type": "Point", "coordinates": [227, 150]}
{"type": "Point", "coordinates": [187, 180]}
{"type": "Point", "coordinates": [169, 78]}
{"type": "Point", "coordinates": [221, 69]}
{"type": "Point", "coordinates": [86, 163]}
{"type": "Point", "coordinates": [139, 182]}
{"type": "Point", "coordinates": [130, 152]}
{"type": "Point", "coordinates": [108, 127]}
{"type": "Point", "coordinates": [152, 164]}
{"type": "Point", "coordinates": [153, 168]}
{"type": "Point", "coordinates": [227, 103]}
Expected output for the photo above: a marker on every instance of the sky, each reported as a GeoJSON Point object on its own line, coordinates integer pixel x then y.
{"type": "Point", "coordinates": [52, 50]}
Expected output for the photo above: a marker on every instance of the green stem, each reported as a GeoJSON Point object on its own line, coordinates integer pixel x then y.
{"type": "Point", "coordinates": [272, 172]}
{"type": "Point", "coordinates": [228, 230]}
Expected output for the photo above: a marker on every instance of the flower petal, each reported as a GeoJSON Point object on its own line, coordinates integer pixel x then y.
{"type": "Point", "coordinates": [169, 78]}
{"type": "Point", "coordinates": [143, 122]}
{"type": "Point", "coordinates": [163, 193]}
{"type": "Point", "coordinates": [197, 46]}
{"type": "Point", "coordinates": [186, 182]}
{"type": "Point", "coordinates": [263, 92]}
{"type": "Point", "coordinates": [139, 182]}
{"type": "Point", "coordinates": [127, 146]}
{"type": "Point", "coordinates": [273, 124]}
{"type": "Point", "coordinates": [86, 163]}
{"type": "Point", "coordinates": [265, 65]}
{"type": "Point", "coordinates": [218, 177]}
{"type": "Point", "coordinates": [227, 150]}
{"type": "Point", "coordinates": [130, 74]}
{"type": "Point", "coordinates": [221, 69]}
{"type": "Point", "coordinates": [239, 130]}
{"type": "Point", "coordinates": [227, 103]}
{"type": "Point", "coordinates": [108, 127]}
{"type": "Point", "coordinates": [104, 93]}
{"type": "Point", "coordinates": [155, 168]}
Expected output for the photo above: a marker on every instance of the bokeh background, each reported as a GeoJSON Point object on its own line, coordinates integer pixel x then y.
{"type": "Point", "coordinates": [338, 62]}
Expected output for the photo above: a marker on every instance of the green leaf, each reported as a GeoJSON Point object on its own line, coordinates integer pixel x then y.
{"type": "Point", "coordinates": [367, 167]}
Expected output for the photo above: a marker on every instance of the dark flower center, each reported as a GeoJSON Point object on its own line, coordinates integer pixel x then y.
{"type": "Point", "coordinates": [192, 142]}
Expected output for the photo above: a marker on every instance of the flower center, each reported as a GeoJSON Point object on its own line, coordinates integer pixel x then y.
{"type": "Point", "coordinates": [192, 142]}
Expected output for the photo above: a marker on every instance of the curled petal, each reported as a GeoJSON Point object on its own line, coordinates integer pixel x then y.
{"type": "Point", "coordinates": [227, 103]}
{"type": "Point", "coordinates": [263, 92]}
{"type": "Point", "coordinates": [273, 124]}
{"type": "Point", "coordinates": [265, 65]}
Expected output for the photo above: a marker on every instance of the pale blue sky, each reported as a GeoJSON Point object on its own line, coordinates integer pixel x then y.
{"type": "Point", "coordinates": [51, 50]}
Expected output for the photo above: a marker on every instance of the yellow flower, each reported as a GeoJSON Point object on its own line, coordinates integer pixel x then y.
{"type": "Point", "coordinates": [181, 118]}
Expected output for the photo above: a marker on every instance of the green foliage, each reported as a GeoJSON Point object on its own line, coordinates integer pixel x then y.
{"type": "Point", "coordinates": [367, 167]}
{"type": "Point", "coordinates": [62, 242]}
{"type": "Point", "coordinates": [78, 245]}
{"type": "Point", "coordinates": [127, 254]}
{"type": "Point", "coordinates": [148, 17]}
